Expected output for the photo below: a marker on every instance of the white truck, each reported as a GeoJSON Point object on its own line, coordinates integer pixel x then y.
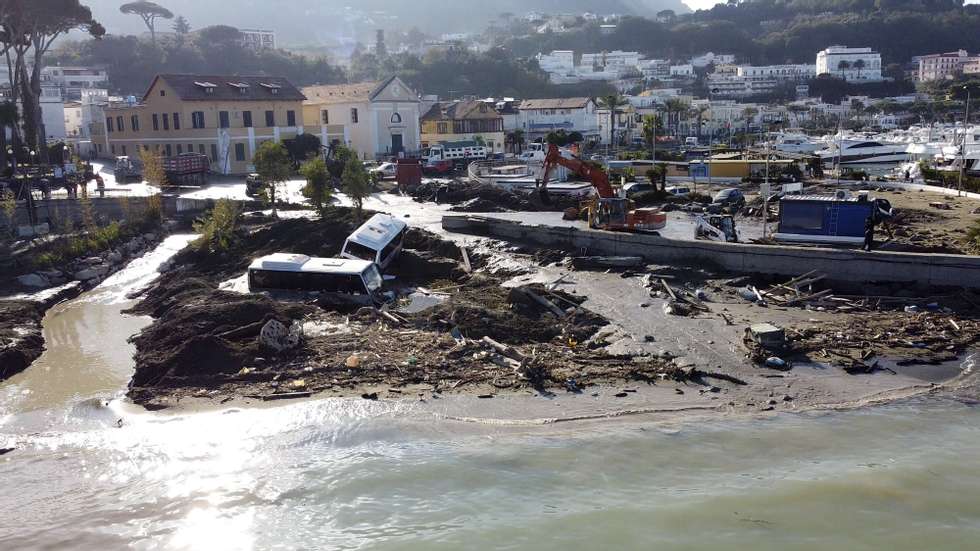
{"type": "Point", "coordinates": [455, 152]}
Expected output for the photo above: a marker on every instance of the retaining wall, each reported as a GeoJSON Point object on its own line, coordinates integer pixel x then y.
{"type": "Point", "coordinates": [844, 265]}
{"type": "Point", "coordinates": [56, 212]}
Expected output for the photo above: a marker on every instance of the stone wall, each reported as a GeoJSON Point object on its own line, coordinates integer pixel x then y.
{"type": "Point", "coordinates": [839, 264]}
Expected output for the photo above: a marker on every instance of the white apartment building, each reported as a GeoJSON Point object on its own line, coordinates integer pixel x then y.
{"type": "Point", "coordinates": [941, 66]}
{"type": "Point", "coordinates": [654, 68]}
{"type": "Point", "coordinates": [258, 39]}
{"type": "Point", "coordinates": [72, 80]}
{"type": "Point", "coordinates": [778, 72]}
{"type": "Point", "coordinates": [616, 59]}
{"type": "Point", "coordinates": [704, 60]}
{"type": "Point", "coordinates": [538, 117]}
{"type": "Point", "coordinates": [972, 66]}
{"type": "Point", "coordinates": [851, 64]}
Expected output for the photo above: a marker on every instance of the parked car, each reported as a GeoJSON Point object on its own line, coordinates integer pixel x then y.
{"type": "Point", "coordinates": [678, 190]}
{"type": "Point", "coordinates": [633, 188]}
{"type": "Point", "coordinates": [384, 171]}
{"type": "Point", "coordinates": [730, 198]}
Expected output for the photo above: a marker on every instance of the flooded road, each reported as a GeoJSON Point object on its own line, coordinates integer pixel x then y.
{"type": "Point", "coordinates": [91, 471]}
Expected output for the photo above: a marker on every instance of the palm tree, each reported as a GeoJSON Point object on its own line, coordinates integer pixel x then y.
{"type": "Point", "coordinates": [651, 123]}
{"type": "Point", "coordinates": [749, 113]}
{"type": "Point", "coordinates": [842, 66]}
{"type": "Point", "coordinates": [674, 106]}
{"type": "Point", "coordinates": [859, 64]}
{"type": "Point", "coordinates": [612, 102]}
{"type": "Point", "coordinates": [516, 138]}
{"type": "Point", "coordinates": [699, 115]}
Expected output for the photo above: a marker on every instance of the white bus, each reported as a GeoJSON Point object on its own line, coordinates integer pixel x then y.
{"type": "Point", "coordinates": [298, 272]}
{"type": "Point", "coordinates": [379, 240]}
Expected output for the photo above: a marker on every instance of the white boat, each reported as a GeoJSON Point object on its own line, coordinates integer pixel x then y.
{"type": "Point", "coordinates": [852, 151]}
{"type": "Point", "coordinates": [797, 143]}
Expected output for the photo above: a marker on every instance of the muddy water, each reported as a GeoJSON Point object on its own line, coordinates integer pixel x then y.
{"type": "Point", "coordinates": [91, 472]}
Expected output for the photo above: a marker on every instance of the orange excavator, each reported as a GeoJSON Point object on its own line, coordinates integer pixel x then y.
{"type": "Point", "coordinates": [606, 210]}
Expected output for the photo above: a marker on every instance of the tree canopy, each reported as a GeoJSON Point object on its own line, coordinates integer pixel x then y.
{"type": "Point", "coordinates": [149, 12]}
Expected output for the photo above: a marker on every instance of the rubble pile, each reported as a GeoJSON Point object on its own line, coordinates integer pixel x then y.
{"type": "Point", "coordinates": [913, 338]}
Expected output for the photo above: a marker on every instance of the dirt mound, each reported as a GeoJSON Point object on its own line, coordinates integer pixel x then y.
{"type": "Point", "coordinates": [202, 332]}
{"type": "Point", "coordinates": [484, 309]}
{"type": "Point", "coordinates": [469, 197]}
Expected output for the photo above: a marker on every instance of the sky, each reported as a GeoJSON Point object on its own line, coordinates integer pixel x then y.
{"type": "Point", "coordinates": [701, 4]}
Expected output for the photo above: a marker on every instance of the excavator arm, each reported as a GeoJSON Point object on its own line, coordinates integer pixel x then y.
{"type": "Point", "coordinates": [596, 176]}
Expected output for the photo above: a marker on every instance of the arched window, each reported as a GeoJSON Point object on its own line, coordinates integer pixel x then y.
{"type": "Point", "coordinates": [396, 119]}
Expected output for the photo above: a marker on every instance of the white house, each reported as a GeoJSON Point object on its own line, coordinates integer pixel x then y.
{"type": "Point", "coordinates": [852, 64]}
{"type": "Point", "coordinates": [616, 59]}
{"type": "Point", "coordinates": [258, 39]}
{"type": "Point", "coordinates": [53, 113]}
{"type": "Point", "coordinates": [72, 80]}
{"type": "Point", "coordinates": [558, 61]}
{"type": "Point", "coordinates": [538, 117]}
{"type": "Point", "coordinates": [682, 71]}
{"type": "Point", "coordinates": [377, 119]}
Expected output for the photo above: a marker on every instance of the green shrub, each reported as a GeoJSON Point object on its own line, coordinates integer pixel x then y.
{"type": "Point", "coordinates": [217, 228]}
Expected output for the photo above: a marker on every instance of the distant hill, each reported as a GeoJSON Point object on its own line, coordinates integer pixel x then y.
{"type": "Point", "coordinates": [312, 21]}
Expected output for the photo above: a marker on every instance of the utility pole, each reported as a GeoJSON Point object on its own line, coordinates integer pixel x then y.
{"type": "Point", "coordinates": [966, 122]}
{"type": "Point", "coordinates": [765, 195]}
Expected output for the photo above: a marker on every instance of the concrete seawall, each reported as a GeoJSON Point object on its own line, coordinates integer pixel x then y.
{"type": "Point", "coordinates": [843, 265]}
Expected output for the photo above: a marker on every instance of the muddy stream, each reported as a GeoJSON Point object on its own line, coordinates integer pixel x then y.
{"type": "Point", "coordinates": [89, 471]}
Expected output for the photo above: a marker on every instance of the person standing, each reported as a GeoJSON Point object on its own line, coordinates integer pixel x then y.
{"type": "Point", "coordinates": [869, 234]}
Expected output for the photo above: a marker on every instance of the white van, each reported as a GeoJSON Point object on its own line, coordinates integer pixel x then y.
{"type": "Point", "coordinates": [691, 140]}
{"type": "Point", "coordinates": [298, 272]}
{"type": "Point", "coordinates": [379, 240]}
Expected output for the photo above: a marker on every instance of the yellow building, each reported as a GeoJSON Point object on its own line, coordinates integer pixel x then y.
{"type": "Point", "coordinates": [224, 117]}
{"type": "Point", "coordinates": [464, 121]}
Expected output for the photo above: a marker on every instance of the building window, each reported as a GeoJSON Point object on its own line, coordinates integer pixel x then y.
{"type": "Point", "coordinates": [156, 122]}
{"type": "Point", "coordinates": [124, 150]}
{"type": "Point", "coordinates": [247, 119]}
{"type": "Point", "coordinates": [290, 118]}
{"type": "Point", "coordinates": [353, 115]}
{"type": "Point", "coordinates": [190, 148]}
{"type": "Point", "coordinates": [112, 149]}
{"type": "Point", "coordinates": [163, 93]}
{"type": "Point", "coordinates": [270, 118]}
{"type": "Point", "coordinates": [108, 125]}
{"type": "Point", "coordinates": [176, 121]}
{"type": "Point", "coordinates": [119, 123]}
{"type": "Point", "coordinates": [325, 116]}
{"type": "Point", "coordinates": [214, 153]}
{"type": "Point", "coordinates": [170, 151]}
{"type": "Point", "coordinates": [180, 149]}
{"type": "Point", "coordinates": [442, 128]}
{"type": "Point", "coordinates": [396, 118]}
{"type": "Point", "coordinates": [239, 152]}
{"type": "Point", "coordinates": [134, 121]}
{"type": "Point", "coordinates": [197, 119]}
{"type": "Point", "coordinates": [223, 119]}
{"type": "Point", "coordinates": [166, 121]}
{"type": "Point", "coordinates": [200, 148]}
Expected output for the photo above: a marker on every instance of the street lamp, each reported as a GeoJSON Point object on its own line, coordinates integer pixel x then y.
{"type": "Point", "coordinates": [966, 122]}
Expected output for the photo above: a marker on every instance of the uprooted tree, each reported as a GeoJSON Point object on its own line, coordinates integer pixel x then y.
{"type": "Point", "coordinates": [149, 12]}
{"type": "Point", "coordinates": [28, 28]}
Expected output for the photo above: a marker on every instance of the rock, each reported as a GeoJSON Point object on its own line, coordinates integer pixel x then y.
{"type": "Point", "coordinates": [86, 275]}
{"type": "Point", "coordinates": [36, 281]}
{"type": "Point", "coordinates": [51, 274]}
{"type": "Point", "coordinates": [775, 362]}
{"type": "Point", "coordinates": [92, 260]}
{"type": "Point", "coordinates": [114, 257]}
{"type": "Point", "coordinates": [150, 236]}
{"type": "Point", "coordinates": [101, 270]}
{"type": "Point", "coordinates": [787, 398]}
{"type": "Point", "coordinates": [352, 361]}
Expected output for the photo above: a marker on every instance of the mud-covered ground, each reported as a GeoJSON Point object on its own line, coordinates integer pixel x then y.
{"type": "Point", "coordinates": [476, 336]}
